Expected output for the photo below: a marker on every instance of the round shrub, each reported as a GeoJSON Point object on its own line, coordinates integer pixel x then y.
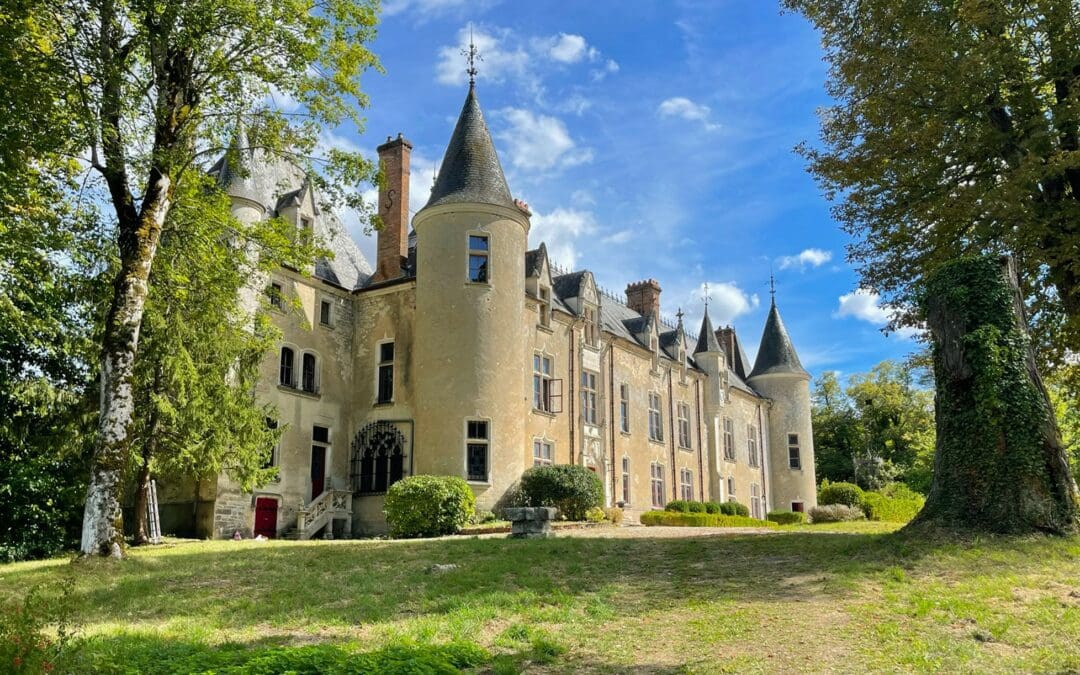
{"type": "Point", "coordinates": [678, 506]}
{"type": "Point", "coordinates": [614, 514]}
{"type": "Point", "coordinates": [786, 517]}
{"type": "Point", "coordinates": [697, 507]}
{"type": "Point", "coordinates": [848, 494]}
{"type": "Point", "coordinates": [428, 506]}
{"type": "Point", "coordinates": [734, 508]}
{"type": "Point", "coordinates": [571, 489]}
{"type": "Point", "coordinates": [595, 515]}
{"type": "Point", "coordinates": [835, 513]}
{"type": "Point", "coordinates": [712, 507]}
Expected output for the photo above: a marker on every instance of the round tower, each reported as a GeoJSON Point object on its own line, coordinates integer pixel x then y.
{"type": "Point", "coordinates": [779, 376]}
{"type": "Point", "coordinates": [470, 349]}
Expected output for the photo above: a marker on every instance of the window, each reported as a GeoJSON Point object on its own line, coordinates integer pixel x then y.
{"type": "Point", "coordinates": [624, 408]}
{"type": "Point", "coordinates": [285, 372]}
{"type": "Point", "coordinates": [324, 313]}
{"type": "Point", "coordinates": [385, 393]}
{"type": "Point", "coordinates": [545, 306]}
{"type": "Point", "coordinates": [543, 452]}
{"type": "Point", "coordinates": [275, 451]}
{"type": "Point", "coordinates": [684, 426]}
{"type": "Point", "coordinates": [592, 332]}
{"type": "Point", "coordinates": [378, 459]}
{"type": "Point", "coordinates": [755, 501]}
{"type": "Point", "coordinates": [588, 397]}
{"type": "Point", "coordinates": [686, 484]}
{"type": "Point", "coordinates": [542, 383]}
{"type": "Point", "coordinates": [657, 482]}
{"type": "Point", "coordinates": [794, 458]}
{"type": "Point", "coordinates": [752, 445]}
{"type": "Point", "coordinates": [309, 381]}
{"type": "Point", "coordinates": [729, 439]}
{"type": "Point", "coordinates": [656, 418]}
{"type": "Point", "coordinates": [626, 480]}
{"type": "Point", "coordinates": [476, 450]}
{"type": "Point", "coordinates": [320, 440]}
{"type": "Point", "coordinates": [275, 294]}
{"type": "Point", "coordinates": [478, 259]}
{"type": "Point", "coordinates": [798, 507]}
{"type": "Point", "coordinates": [731, 487]}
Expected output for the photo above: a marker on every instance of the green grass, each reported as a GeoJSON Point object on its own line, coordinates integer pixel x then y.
{"type": "Point", "coordinates": [846, 597]}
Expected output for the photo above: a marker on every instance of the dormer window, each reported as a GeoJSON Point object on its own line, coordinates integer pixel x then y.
{"type": "Point", "coordinates": [478, 259]}
{"type": "Point", "coordinates": [592, 330]}
{"type": "Point", "coordinates": [545, 306]}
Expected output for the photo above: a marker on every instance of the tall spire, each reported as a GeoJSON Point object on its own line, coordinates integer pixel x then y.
{"type": "Point", "coordinates": [776, 355]}
{"type": "Point", "coordinates": [470, 171]}
{"type": "Point", "coordinates": [706, 340]}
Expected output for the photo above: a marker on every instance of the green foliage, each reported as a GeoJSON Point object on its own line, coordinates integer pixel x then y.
{"type": "Point", "coordinates": [679, 505]}
{"type": "Point", "coordinates": [697, 507]}
{"type": "Point", "coordinates": [895, 503]}
{"type": "Point", "coordinates": [680, 519]}
{"type": "Point", "coordinates": [428, 506]}
{"type": "Point", "coordinates": [786, 517]}
{"type": "Point", "coordinates": [570, 488]}
{"type": "Point", "coordinates": [483, 517]}
{"type": "Point", "coordinates": [27, 645]}
{"type": "Point", "coordinates": [734, 508]}
{"type": "Point", "coordinates": [955, 132]}
{"type": "Point", "coordinates": [839, 493]}
{"type": "Point", "coordinates": [614, 515]}
{"type": "Point", "coordinates": [713, 507]}
{"type": "Point", "coordinates": [999, 465]}
{"type": "Point", "coordinates": [835, 513]}
{"type": "Point", "coordinates": [595, 514]}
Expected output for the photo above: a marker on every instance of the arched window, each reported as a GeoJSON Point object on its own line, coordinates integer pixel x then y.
{"type": "Point", "coordinates": [378, 459]}
{"type": "Point", "coordinates": [309, 379]}
{"type": "Point", "coordinates": [285, 373]}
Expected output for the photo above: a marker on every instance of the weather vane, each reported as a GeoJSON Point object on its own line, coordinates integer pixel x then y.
{"type": "Point", "coordinates": [706, 298]}
{"type": "Point", "coordinates": [772, 286]}
{"type": "Point", "coordinates": [472, 55]}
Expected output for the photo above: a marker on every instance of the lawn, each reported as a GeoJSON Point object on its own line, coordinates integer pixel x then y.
{"type": "Point", "coordinates": [847, 598]}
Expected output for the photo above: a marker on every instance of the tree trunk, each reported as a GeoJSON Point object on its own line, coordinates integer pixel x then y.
{"type": "Point", "coordinates": [142, 503]}
{"type": "Point", "coordinates": [103, 530]}
{"type": "Point", "coordinates": [1000, 464]}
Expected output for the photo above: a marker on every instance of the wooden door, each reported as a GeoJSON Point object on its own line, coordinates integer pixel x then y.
{"type": "Point", "coordinates": [318, 470]}
{"type": "Point", "coordinates": [266, 517]}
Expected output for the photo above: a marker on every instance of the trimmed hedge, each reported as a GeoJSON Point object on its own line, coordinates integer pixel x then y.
{"type": "Point", "coordinates": [679, 519]}
{"type": "Point", "coordinates": [734, 508]}
{"type": "Point", "coordinates": [678, 505]}
{"type": "Point", "coordinates": [786, 517]}
{"type": "Point", "coordinates": [712, 507]}
{"type": "Point", "coordinates": [835, 513]}
{"type": "Point", "coordinates": [848, 494]}
{"type": "Point", "coordinates": [895, 503]}
{"type": "Point", "coordinates": [428, 506]}
{"type": "Point", "coordinates": [570, 488]}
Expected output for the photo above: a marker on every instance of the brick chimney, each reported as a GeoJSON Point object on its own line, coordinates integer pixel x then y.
{"type": "Point", "coordinates": [644, 297]}
{"type": "Point", "coordinates": [393, 208]}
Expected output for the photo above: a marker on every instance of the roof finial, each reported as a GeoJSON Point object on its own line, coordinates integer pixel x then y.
{"type": "Point", "coordinates": [679, 315]}
{"type": "Point", "coordinates": [706, 297]}
{"type": "Point", "coordinates": [472, 56]}
{"type": "Point", "coordinates": [772, 285]}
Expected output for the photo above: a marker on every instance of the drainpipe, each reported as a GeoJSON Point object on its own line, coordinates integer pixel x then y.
{"type": "Point", "coordinates": [571, 395]}
{"type": "Point", "coordinates": [611, 414]}
{"type": "Point", "coordinates": [700, 444]}
{"type": "Point", "coordinates": [671, 426]}
{"type": "Point", "coordinates": [764, 461]}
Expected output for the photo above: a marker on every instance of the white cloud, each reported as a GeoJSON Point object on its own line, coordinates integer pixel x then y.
{"type": "Point", "coordinates": [539, 142]}
{"type": "Point", "coordinates": [865, 305]}
{"type": "Point", "coordinates": [498, 60]}
{"type": "Point", "coordinates": [609, 68]}
{"type": "Point", "coordinates": [568, 48]}
{"type": "Point", "coordinates": [814, 257]}
{"type": "Point", "coordinates": [430, 8]}
{"type": "Point", "coordinates": [726, 302]}
{"type": "Point", "coordinates": [560, 230]}
{"type": "Point", "coordinates": [684, 108]}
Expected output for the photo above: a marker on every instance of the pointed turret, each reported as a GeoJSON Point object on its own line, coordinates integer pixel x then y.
{"type": "Point", "coordinates": [776, 355]}
{"type": "Point", "coordinates": [470, 170]}
{"type": "Point", "coordinates": [706, 341]}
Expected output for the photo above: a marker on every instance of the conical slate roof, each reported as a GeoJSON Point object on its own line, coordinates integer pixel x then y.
{"type": "Point", "coordinates": [706, 340]}
{"type": "Point", "coordinates": [470, 171]}
{"type": "Point", "coordinates": [776, 353]}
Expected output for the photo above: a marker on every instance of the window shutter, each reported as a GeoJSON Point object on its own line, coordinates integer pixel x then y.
{"type": "Point", "coordinates": [555, 395]}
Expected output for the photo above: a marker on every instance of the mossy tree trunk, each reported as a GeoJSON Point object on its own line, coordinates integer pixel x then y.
{"type": "Point", "coordinates": [1000, 465]}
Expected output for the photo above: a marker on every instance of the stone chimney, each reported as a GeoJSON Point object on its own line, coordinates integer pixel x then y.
{"type": "Point", "coordinates": [393, 208]}
{"type": "Point", "coordinates": [644, 298]}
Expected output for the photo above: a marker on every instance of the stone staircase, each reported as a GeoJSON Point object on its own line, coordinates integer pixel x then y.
{"type": "Point", "coordinates": [320, 515]}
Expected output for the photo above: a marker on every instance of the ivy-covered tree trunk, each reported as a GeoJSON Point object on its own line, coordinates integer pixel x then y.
{"type": "Point", "coordinates": [1000, 465]}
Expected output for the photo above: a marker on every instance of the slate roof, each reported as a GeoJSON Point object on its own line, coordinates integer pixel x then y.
{"type": "Point", "coordinates": [776, 353]}
{"type": "Point", "coordinates": [534, 260]}
{"type": "Point", "coordinates": [470, 170]}
{"type": "Point", "coordinates": [706, 341]}
{"type": "Point", "coordinates": [568, 285]}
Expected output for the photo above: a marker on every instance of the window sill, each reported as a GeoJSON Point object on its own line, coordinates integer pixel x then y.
{"type": "Point", "coordinates": [327, 326]}
{"type": "Point", "coordinates": [479, 483]}
{"type": "Point", "coordinates": [730, 461]}
{"type": "Point", "coordinates": [592, 348]}
{"type": "Point", "coordinates": [685, 449]}
{"type": "Point", "coordinates": [546, 329]}
{"type": "Point", "coordinates": [624, 433]}
{"type": "Point", "coordinates": [656, 441]}
{"type": "Point", "coordinates": [544, 413]}
{"type": "Point", "coordinates": [314, 395]}
{"type": "Point", "coordinates": [480, 284]}
{"type": "Point", "coordinates": [383, 404]}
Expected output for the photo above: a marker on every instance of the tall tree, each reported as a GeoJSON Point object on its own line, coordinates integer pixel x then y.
{"type": "Point", "coordinates": [955, 131]}
{"type": "Point", "coordinates": [159, 82]}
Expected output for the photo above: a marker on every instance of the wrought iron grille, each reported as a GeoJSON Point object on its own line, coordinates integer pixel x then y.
{"type": "Point", "coordinates": [378, 458]}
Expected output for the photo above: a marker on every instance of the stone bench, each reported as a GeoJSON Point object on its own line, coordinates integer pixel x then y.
{"type": "Point", "coordinates": [530, 522]}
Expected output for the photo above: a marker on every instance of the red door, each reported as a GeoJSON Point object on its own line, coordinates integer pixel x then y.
{"type": "Point", "coordinates": [266, 517]}
{"type": "Point", "coordinates": [318, 470]}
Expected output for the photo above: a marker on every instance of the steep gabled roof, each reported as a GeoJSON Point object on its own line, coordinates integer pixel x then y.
{"type": "Point", "coordinates": [470, 170]}
{"type": "Point", "coordinates": [568, 285]}
{"type": "Point", "coordinates": [534, 261]}
{"type": "Point", "coordinates": [706, 340]}
{"type": "Point", "coordinates": [776, 353]}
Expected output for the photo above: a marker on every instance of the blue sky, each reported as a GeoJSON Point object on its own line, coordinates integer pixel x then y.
{"type": "Point", "coordinates": [651, 139]}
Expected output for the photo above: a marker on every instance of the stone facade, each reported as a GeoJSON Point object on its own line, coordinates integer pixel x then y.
{"type": "Point", "coordinates": [463, 352]}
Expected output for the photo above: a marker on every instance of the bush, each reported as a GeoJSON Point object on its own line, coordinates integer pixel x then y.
{"type": "Point", "coordinates": [734, 508]}
{"type": "Point", "coordinates": [428, 506]}
{"type": "Point", "coordinates": [571, 489]}
{"type": "Point", "coordinates": [835, 513]}
{"type": "Point", "coordinates": [595, 515]}
{"type": "Point", "coordinates": [786, 517]}
{"type": "Point", "coordinates": [848, 494]}
{"type": "Point", "coordinates": [712, 507]}
{"type": "Point", "coordinates": [895, 503]}
{"type": "Point", "coordinates": [678, 505]}
{"type": "Point", "coordinates": [697, 507]}
{"type": "Point", "coordinates": [681, 519]}
{"type": "Point", "coordinates": [26, 644]}
{"type": "Point", "coordinates": [614, 514]}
